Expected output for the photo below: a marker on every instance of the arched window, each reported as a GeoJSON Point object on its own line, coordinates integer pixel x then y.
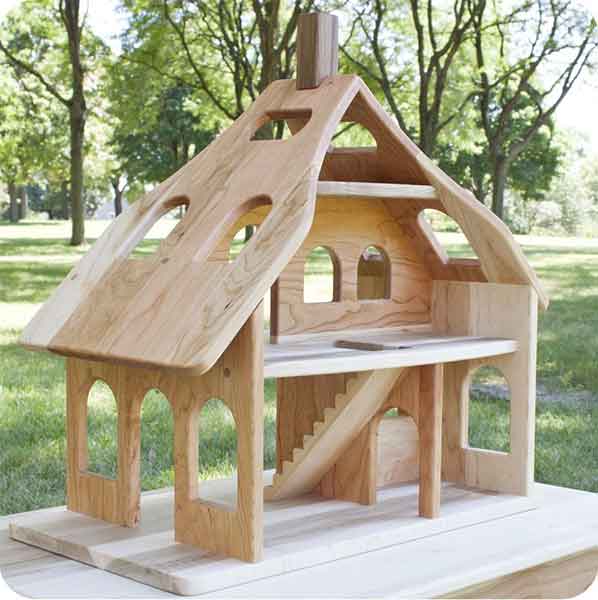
{"type": "Point", "coordinates": [174, 212]}
{"type": "Point", "coordinates": [217, 451]}
{"type": "Point", "coordinates": [398, 440]}
{"type": "Point", "coordinates": [489, 410]}
{"type": "Point", "coordinates": [321, 281]}
{"type": "Point", "coordinates": [448, 234]}
{"type": "Point", "coordinates": [102, 431]}
{"type": "Point", "coordinates": [373, 274]}
{"type": "Point", "coordinates": [157, 436]}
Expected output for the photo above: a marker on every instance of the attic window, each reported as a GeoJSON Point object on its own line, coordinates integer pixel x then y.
{"type": "Point", "coordinates": [321, 281]}
{"type": "Point", "coordinates": [240, 239]}
{"type": "Point", "coordinates": [448, 234]}
{"type": "Point", "coordinates": [174, 211]}
{"type": "Point", "coordinates": [280, 125]}
{"type": "Point", "coordinates": [373, 274]}
{"type": "Point", "coordinates": [350, 134]}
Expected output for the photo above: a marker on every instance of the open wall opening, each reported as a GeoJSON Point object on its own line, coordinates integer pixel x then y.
{"type": "Point", "coordinates": [321, 276]}
{"type": "Point", "coordinates": [174, 211]}
{"type": "Point", "coordinates": [373, 274]}
{"type": "Point", "coordinates": [157, 441]}
{"type": "Point", "coordinates": [489, 410]}
{"type": "Point", "coordinates": [240, 234]}
{"type": "Point", "coordinates": [447, 233]}
{"type": "Point", "coordinates": [217, 448]}
{"type": "Point", "coordinates": [281, 124]}
{"type": "Point", "coordinates": [350, 134]}
{"type": "Point", "coordinates": [102, 431]}
{"type": "Point", "coordinates": [398, 449]}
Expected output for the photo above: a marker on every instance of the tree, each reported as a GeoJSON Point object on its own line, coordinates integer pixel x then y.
{"type": "Point", "coordinates": [531, 173]}
{"type": "Point", "coordinates": [229, 51]}
{"type": "Point", "coordinates": [36, 46]}
{"type": "Point", "coordinates": [528, 61]}
{"type": "Point", "coordinates": [411, 50]}
{"type": "Point", "coordinates": [25, 142]}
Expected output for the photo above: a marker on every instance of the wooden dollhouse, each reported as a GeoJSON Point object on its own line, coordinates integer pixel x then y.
{"type": "Point", "coordinates": [404, 330]}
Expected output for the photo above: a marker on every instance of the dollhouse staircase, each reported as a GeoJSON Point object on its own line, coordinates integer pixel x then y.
{"type": "Point", "coordinates": [364, 396]}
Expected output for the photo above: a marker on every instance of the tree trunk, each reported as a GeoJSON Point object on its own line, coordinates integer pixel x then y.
{"type": "Point", "coordinates": [499, 186]}
{"type": "Point", "coordinates": [64, 196]}
{"type": "Point", "coordinates": [77, 122]}
{"type": "Point", "coordinates": [77, 114]}
{"type": "Point", "coordinates": [13, 214]}
{"type": "Point", "coordinates": [118, 199]}
{"type": "Point", "coordinates": [23, 205]}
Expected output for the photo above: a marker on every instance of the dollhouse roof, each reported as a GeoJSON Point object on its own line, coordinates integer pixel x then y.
{"type": "Point", "coordinates": [181, 307]}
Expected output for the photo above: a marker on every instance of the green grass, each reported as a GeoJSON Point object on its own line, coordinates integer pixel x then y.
{"type": "Point", "coordinates": [34, 259]}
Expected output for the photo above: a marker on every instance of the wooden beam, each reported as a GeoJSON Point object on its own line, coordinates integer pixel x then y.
{"type": "Point", "coordinates": [317, 49]}
{"type": "Point", "coordinates": [387, 191]}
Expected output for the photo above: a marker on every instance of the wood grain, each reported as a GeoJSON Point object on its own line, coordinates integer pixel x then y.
{"type": "Point", "coordinates": [178, 309]}
{"type": "Point", "coordinates": [430, 436]}
{"type": "Point", "coordinates": [363, 398]}
{"type": "Point", "coordinates": [474, 309]}
{"type": "Point", "coordinates": [304, 537]}
{"type": "Point", "coordinates": [317, 49]}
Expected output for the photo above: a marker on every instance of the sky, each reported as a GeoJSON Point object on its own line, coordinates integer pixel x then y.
{"type": "Point", "coordinates": [578, 110]}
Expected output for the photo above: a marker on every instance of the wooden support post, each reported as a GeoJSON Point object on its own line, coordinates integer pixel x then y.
{"type": "Point", "coordinates": [113, 500]}
{"type": "Point", "coordinates": [237, 378]}
{"type": "Point", "coordinates": [317, 49]}
{"type": "Point", "coordinates": [430, 440]}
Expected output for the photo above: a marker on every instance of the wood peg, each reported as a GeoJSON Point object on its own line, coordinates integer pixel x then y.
{"type": "Point", "coordinates": [317, 49]}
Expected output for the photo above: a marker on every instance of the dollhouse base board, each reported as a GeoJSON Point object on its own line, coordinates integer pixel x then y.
{"type": "Point", "coordinates": [299, 533]}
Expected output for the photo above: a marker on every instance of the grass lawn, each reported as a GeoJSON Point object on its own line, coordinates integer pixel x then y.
{"type": "Point", "coordinates": [34, 258]}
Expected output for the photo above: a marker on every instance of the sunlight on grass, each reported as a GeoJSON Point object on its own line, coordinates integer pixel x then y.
{"type": "Point", "coordinates": [34, 259]}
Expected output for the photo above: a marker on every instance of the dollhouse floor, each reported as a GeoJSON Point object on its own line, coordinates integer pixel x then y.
{"type": "Point", "coordinates": [299, 534]}
{"type": "Point", "coordinates": [318, 355]}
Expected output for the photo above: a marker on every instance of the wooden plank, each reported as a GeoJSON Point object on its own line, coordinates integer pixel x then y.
{"type": "Point", "coordinates": [317, 49]}
{"type": "Point", "coordinates": [321, 356]}
{"type": "Point", "coordinates": [564, 524]}
{"type": "Point", "coordinates": [565, 577]}
{"type": "Point", "coordinates": [292, 541]}
{"type": "Point", "coordinates": [387, 191]}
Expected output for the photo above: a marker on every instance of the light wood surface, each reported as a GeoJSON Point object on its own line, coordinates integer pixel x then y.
{"type": "Point", "coordinates": [398, 451]}
{"type": "Point", "coordinates": [564, 524]}
{"type": "Point", "coordinates": [317, 49]}
{"type": "Point", "coordinates": [299, 533]}
{"type": "Point", "coordinates": [364, 396]}
{"type": "Point", "coordinates": [231, 530]}
{"type": "Point", "coordinates": [346, 232]}
{"type": "Point", "coordinates": [430, 436]}
{"type": "Point", "coordinates": [319, 355]}
{"type": "Point", "coordinates": [236, 379]}
{"type": "Point", "coordinates": [485, 309]}
{"type": "Point", "coordinates": [565, 577]}
{"type": "Point", "coordinates": [389, 191]}
{"type": "Point", "coordinates": [178, 309]}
